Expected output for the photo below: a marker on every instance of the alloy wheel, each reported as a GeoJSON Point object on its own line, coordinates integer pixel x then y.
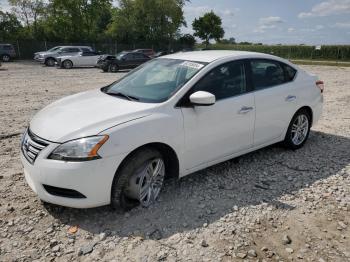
{"type": "Point", "coordinates": [300, 129]}
{"type": "Point", "coordinates": [67, 64]}
{"type": "Point", "coordinates": [5, 58]}
{"type": "Point", "coordinates": [146, 184]}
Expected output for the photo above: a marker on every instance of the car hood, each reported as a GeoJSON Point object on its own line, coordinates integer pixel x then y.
{"type": "Point", "coordinates": [85, 114]}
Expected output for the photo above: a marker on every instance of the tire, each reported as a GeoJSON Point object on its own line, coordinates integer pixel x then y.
{"type": "Point", "coordinates": [132, 175]}
{"type": "Point", "coordinates": [298, 133]}
{"type": "Point", "coordinates": [67, 64]}
{"type": "Point", "coordinates": [5, 58]}
{"type": "Point", "coordinates": [50, 62]}
{"type": "Point", "coordinates": [113, 68]}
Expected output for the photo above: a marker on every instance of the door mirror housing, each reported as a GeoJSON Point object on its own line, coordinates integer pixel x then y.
{"type": "Point", "coordinates": [202, 98]}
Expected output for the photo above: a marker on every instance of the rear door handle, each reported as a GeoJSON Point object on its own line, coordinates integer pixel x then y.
{"type": "Point", "coordinates": [245, 109]}
{"type": "Point", "coordinates": [290, 98]}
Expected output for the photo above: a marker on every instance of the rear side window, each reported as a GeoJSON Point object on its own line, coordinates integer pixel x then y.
{"type": "Point", "coordinates": [224, 81]}
{"type": "Point", "coordinates": [266, 73]}
{"type": "Point", "coordinates": [84, 49]}
{"type": "Point", "coordinates": [289, 72]}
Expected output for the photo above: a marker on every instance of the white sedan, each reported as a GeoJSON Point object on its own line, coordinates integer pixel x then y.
{"type": "Point", "coordinates": [82, 59]}
{"type": "Point", "coordinates": [171, 116]}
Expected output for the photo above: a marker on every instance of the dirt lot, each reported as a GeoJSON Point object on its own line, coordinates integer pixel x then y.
{"type": "Point", "coordinates": [271, 205]}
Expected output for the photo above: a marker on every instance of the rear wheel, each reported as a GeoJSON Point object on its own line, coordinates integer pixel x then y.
{"type": "Point", "coordinates": [67, 64]}
{"type": "Point", "coordinates": [139, 180]}
{"type": "Point", "coordinates": [298, 130]}
{"type": "Point", "coordinates": [113, 68]}
{"type": "Point", "coordinates": [50, 62]}
{"type": "Point", "coordinates": [6, 58]}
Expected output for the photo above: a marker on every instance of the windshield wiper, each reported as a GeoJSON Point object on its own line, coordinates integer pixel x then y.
{"type": "Point", "coordinates": [131, 98]}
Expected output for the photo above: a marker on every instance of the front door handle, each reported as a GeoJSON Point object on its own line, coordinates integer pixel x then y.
{"type": "Point", "coordinates": [290, 98]}
{"type": "Point", "coordinates": [245, 109]}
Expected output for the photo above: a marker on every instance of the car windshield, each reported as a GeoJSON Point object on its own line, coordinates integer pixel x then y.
{"type": "Point", "coordinates": [155, 81]}
{"type": "Point", "coordinates": [54, 49]}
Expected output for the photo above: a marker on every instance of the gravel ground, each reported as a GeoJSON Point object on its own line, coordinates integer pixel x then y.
{"type": "Point", "coordinates": [270, 205]}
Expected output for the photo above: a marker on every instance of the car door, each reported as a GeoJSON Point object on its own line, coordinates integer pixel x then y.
{"type": "Point", "coordinates": [127, 61]}
{"type": "Point", "coordinates": [88, 58]}
{"type": "Point", "coordinates": [139, 59]}
{"type": "Point", "coordinates": [217, 131]}
{"type": "Point", "coordinates": [275, 100]}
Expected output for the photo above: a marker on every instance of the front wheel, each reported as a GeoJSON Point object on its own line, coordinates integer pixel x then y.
{"type": "Point", "coordinates": [113, 68]}
{"type": "Point", "coordinates": [298, 130]}
{"type": "Point", "coordinates": [6, 58]}
{"type": "Point", "coordinates": [50, 62]}
{"type": "Point", "coordinates": [67, 64]}
{"type": "Point", "coordinates": [139, 180]}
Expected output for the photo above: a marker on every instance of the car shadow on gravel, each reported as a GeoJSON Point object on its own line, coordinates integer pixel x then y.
{"type": "Point", "coordinates": [206, 196]}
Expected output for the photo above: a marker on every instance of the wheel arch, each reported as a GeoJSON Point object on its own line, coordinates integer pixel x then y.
{"type": "Point", "coordinates": [309, 110]}
{"type": "Point", "coordinates": [172, 166]}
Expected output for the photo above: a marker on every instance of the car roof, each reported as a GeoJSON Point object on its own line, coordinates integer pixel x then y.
{"type": "Point", "coordinates": [209, 56]}
{"type": "Point", "coordinates": [76, 46]}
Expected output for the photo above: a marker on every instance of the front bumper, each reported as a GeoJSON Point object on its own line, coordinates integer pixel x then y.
{"type": "Point", "coordinates": [39, 59]}
{"type": "Point", "coordinates": [93, 179]}
{"type": "Point", "coordinates": [103, 65]}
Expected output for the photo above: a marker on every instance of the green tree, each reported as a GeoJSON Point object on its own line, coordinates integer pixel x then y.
{"type": "Point", "coordinates": [208, 27]}
{"type": "Point", "coordinates": [187, 40]}
{"type": "Point", "coordinates": [10, 27]}
{"type": "Point", "coordinates": [151, 21]}
{"type": "Point", "coordinates": [29, 12]}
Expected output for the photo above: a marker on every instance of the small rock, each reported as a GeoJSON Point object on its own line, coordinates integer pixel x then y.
{"type": "Point", "coordinates": [49, 230]}
{"type": "Point", "coordinates": [86, 249]}
{"type": "Point", "coordinates": [102, 236]}
{"type": "Point", "coordinates": [56, 248]}
{"type": "Point", "coordinates": [342, 224]}
{"type": "Point", "coordinates": [264, 249]}
{"type": "Point", "coordinates": [241, 255]}
{"type": "Point", "coordinates": [289, 250]}
{"type": "Point", "coordinates": [286, 240]}
{"type": "Point", "coordinates": [252, 253]}
{"type": "Point", "coordinates": [204, 243]}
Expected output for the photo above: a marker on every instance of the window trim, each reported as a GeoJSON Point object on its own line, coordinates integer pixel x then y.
{"type": "Point", "coordinates": [182, 103]}
{"type": "Point", "coordinates": [274, 61]}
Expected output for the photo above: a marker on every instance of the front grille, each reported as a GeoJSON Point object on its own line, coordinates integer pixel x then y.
{"type": "Point", "coordinates": [32, 145]}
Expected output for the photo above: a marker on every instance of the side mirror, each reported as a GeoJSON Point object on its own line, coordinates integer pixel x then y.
{"type": "Point", "coordinates": [202, 98]}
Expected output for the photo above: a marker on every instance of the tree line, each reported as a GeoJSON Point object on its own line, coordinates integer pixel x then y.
{"type": "Point", "coordinates": [73, 21]}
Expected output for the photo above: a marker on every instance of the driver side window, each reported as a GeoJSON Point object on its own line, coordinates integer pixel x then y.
{"type": "Point", "coordinates": [224, 81]}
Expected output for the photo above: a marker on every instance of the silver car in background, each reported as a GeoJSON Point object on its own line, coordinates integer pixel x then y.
{"type": "Point", "coordinates": [49, 57]}
{"type": "Point", "coordinates": [82, 59]}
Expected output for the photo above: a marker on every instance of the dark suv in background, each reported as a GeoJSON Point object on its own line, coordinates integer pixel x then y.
{"type": "Point", "coordinates": [7, 52]}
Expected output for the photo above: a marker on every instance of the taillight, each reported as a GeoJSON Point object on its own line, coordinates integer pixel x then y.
{"type": "Point", "coordinates": [320, 85]}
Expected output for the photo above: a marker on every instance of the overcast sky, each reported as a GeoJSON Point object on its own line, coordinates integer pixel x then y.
{"type": "Point", "coordinates": [275, 21]}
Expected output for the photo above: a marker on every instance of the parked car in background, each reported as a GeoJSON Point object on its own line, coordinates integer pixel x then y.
{"type": "Point", "coordinates": [161, 53]}
{"type": "Point", "coordinates": [82, 59]}
{"type": "Point", "coordinates": [49, 57]}
{"type": "Point", "coordinates": [147, 52]}
{"type": "Point", "coordinates": [175, 115]}
{"type": "Point", "coordinates": [7, 52]}
{"type": "Point", "coordinates": [123, 60]}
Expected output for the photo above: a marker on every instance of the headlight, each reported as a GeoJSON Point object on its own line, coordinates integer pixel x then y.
{"type": "Point", "coordinates": [83, 149]}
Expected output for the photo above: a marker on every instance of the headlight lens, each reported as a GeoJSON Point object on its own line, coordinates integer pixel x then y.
{"type": "Point", "coordinates": [83, 149]}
